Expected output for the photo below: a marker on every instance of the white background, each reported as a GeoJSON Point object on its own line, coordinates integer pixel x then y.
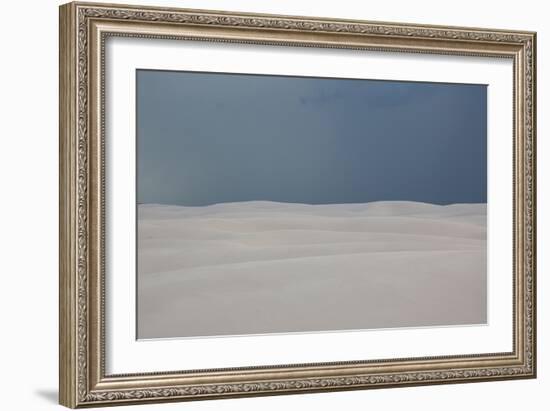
{"type": "Point", "coordinates": [28, 217]}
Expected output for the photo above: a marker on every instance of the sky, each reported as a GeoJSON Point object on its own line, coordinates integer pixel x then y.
{"type": "Point", "coordinates": [207, 138]}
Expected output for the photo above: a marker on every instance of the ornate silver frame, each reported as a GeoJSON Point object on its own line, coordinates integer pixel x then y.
{"type": "Point", "coordinates": [83, 30]}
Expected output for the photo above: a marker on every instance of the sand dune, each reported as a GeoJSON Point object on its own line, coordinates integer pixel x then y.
{"type": "Point", "coordinates": [266, 267]}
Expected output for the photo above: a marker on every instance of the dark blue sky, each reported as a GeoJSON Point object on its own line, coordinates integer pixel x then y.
{"type": "Point", "coordinates": [206, 138]}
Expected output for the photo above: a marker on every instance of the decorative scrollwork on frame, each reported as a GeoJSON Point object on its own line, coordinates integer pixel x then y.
{"type": "Point", "coordinates": [302, 384]}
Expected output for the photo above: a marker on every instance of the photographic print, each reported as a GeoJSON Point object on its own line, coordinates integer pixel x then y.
{"type": "Point", "coordinates": [278, 204]}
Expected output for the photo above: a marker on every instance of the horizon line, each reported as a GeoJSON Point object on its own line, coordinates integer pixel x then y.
{"type": "Point", "coordinates": [311, 204]}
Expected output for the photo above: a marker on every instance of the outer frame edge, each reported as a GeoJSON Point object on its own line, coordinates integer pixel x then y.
{"type": "Point", "coordinates": [67, 176]}
{"type": "Point", "coordinates": [69, 309]}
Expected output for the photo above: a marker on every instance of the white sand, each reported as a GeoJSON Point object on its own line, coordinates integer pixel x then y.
{"type": "Point", "coordinates": [265, 267]}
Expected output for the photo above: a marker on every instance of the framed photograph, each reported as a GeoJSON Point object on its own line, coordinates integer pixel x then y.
{"type": "Point", "coordinates": [260, 204]}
